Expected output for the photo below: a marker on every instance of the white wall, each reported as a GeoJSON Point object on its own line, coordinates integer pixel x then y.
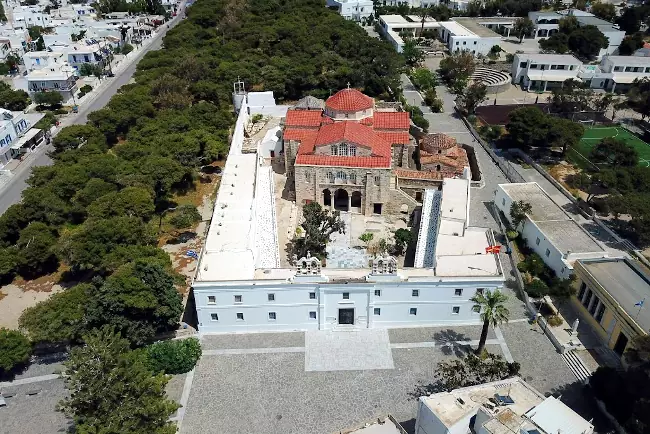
{"type": "Point", "coordinates": [477, 45]}
{"type": "Point", "coordinates": [292, 304]}
{"type": "Point", "coordinates": [427, 422]}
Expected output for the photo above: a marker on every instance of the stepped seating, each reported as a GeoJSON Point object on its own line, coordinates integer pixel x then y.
{"type": "Point", "coordinates": [493, 79]}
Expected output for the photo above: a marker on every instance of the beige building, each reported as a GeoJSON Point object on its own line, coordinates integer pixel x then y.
{"type": "Point", "coordinates": [352, 154]}
{"type": "Point", "coordinates": [613, 296]}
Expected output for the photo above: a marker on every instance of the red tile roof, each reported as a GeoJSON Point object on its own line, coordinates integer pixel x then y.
{"type": "Point", "coordinates": [327, 160]}
{"type": "Point", "coordinates": [391, 120]}
{"type": "Point", "coordinates": [303, 118]}
{"type": "Point", "coordinates": [307, 138]}
{"type": "Point", "coordinates": [348, 131]}
{"type": "Point", "coordinates": [349, 100]}
{"type": "Point", "coordinates": [432, 142]}
{"type": "Point", "coordinates": [394, 137]}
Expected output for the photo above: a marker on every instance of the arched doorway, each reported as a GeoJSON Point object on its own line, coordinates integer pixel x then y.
{"type": "Point", "coordinates": [341, 200]}
{"type": "Point", "coordinates": [355, 201]}
{"type": "Point", "coordinates": [327, 197]}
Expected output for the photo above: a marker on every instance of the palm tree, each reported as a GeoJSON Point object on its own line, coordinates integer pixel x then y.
{"type": "Point", "coordinates": [492, 312]}
{"type": "Point", "coordinates": [424, 13]}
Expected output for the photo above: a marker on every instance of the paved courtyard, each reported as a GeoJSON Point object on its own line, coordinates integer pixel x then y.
{"type": "Point", "coordinates": [258, 382]}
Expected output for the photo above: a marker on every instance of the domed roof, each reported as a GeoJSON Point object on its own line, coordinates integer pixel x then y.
{"type": "Point", "coordinates": [349, 100]}
{"type": "Point", "coordinates": [431, 143]}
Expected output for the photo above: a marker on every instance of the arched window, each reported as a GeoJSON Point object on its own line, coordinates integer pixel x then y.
{"type": "Point", "coordinates": [330, 177]}
{"type": "Point", "coordinates": [335, 150]}
{"type": "Point", "coordinates": [343, 149]}
{"type": "Point", "coordinates": [353, 150]}
{"type": "Point", "coordinates": [307, 176]}
{"type": "Point", "coordinates": [341, 176]}
{"type": "Point", "coordinates": [353, 178]}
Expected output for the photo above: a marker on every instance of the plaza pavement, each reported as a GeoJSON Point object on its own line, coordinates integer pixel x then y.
{"type": "Point", "coordinates": [259, 383]}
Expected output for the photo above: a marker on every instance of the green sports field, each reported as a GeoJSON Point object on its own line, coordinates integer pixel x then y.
{"type": "Point", "coordinates": [594, 134]}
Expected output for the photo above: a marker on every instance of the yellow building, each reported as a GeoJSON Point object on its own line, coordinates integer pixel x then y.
{"type": "Point", "coordinates": [614, 297]}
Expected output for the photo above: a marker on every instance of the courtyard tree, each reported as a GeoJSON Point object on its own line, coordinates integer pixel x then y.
{"type": "Point", "coordinates": [366, 238]}
{"type": "Point", "coordinates": [50, 99]}
{"type": "Point", "coordinates": [563, 133]}
{"type": "Point", "coordinates": [518, 212]}
{"type": "Point", "coordinates": [493, 312]}
{"type": "Point", "coordinates": [638, 352]}
{"type": "Point", "coordinates": [459, 66]}
{"type": "Point", "coordinates": [403, 237]}
{"type": "Point", "coordinates": [174, 356]}
{"type": "Point", "coordinates": [317, 226]}
{"type": "Point", "coordinates": [614, 153]}
{"type": "Point", "coordinates": [630, 44]}
{"type": "Point", "coordinates": [413, 55]}
{"type": "Point", "coordinates": [523, 26]}
{"type": "Point", "coordinates": [185, 217]}
{"type": "Point", "coordinates": [587, 41]}
{"type": "Point", "coordinates": [15, 350]}
{"type": "Point", "coordinates": [638, 97]}
{"type": "Point", "coordinates": [473, 369]}
{"type": "Point", "coordinates": [424, 78]}
{"type": "Point", "coordinates": [557, 43]}
{"type": "Point", "coordinates": [526, 126]}
{"type": "Point", "coordinates": [137, 403]}
{"type": "Point", "coordinates": [472, 96]}
{"type": "Point", "coordinates": [606, 11]}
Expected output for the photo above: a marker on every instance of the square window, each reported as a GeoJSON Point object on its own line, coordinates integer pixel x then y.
{"type": "Point", "coordinates": [548, 253]}
{"type": "Point", "coordinates": [312, 296]}
{"type": "Point", "coordinates": [476, 309]}
{"type": "Point", "coordinates": [480, 290]}
{"type": "Point", "coordinates": [415, 293]}
{"type": "Point", "coordinates": [413, 311]}
{"type": "Point", "coordinates": [377, 292]}
{"type": "Point", "coordinates": [537, 241]}
{"type": "Point", "coordinates": [455, 310]}
{"type": "Point", "coordinates": [503, 201]}
{"type": "Point", "coordinates": [271, 316]}
{"type": "Point", "coordinates": [312, 315]}
{"type": "Point", "coordinates": [377, 311]}
{"type": "Point", "coordinates": [237, 298]}
{"type": "Point", "coordinates": [458, 292]}
{"type": "Point", "coordinates": [271, 297]}
{"type": "Point", "coordinates": [346, 296]}
{"type": "Point", "coordinates": [474, 42]}
{"type": "Point", "coordinates": [240, 316]}
{"type": "Point", "coordinates": [214, 317]}
{"type": "Point", "coordinates": [212, 299]}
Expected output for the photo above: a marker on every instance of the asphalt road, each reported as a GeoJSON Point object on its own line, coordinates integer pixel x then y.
{"type": "Point", "coordinates": [11, 192]}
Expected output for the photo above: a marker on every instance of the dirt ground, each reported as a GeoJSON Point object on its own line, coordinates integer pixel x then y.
{"type": "Point", "coordinates": [16, 300]}
{"type": "Point", "coordinates": [561, 172]}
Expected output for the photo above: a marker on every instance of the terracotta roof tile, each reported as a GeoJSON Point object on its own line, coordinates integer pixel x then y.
{"type": "Point", "coordinates": [303, 118]}
{"type": "Point", "coordinates": [394, 137]}
{"type": "Point", "coordinates": [349, 100]}
{"type": "Point", "coordinates": [327, 160]}
{"type": "Point", "coordinates": [355, 133]}
{"type": "Point", "coordinates": [307, 138]}
{"type": "Point", "coordinates": [367, 121]}
{"type": "Point", "coordinates": [432, 142]}
{"type": "Point", "coordinates": [391, 120]}
{"type": "Point", "coordinates": [442, 159]}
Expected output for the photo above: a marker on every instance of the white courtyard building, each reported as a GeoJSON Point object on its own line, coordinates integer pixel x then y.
{"type": "Point", "coordinates": [354, 10]}
{"type": "Point", "coordinates": [17, 135]}
{"type": "Point", "coordinates": [243, 284]}
{"type": "Point", "coordinates": [548, 230]}
{"type": "Point", "coordinates": [392, 26]}
{"type": "Point", "coordinates": [509, 406]}
{"type": "Point", "coordinates": [471, 35]}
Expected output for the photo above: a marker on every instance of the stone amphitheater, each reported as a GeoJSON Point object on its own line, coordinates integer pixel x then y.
{"type": "Point", "coordinates": [496, 81]}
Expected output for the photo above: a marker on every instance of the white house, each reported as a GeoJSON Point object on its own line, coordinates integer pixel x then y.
{"type": "Point", "coordinates": [502, 407]}
{"type": "Point", "coordinates": [468, 34]}
{"type": "Point", "coordinates": [394, 25]}
{"type": "Point", "coordinates": [25, 17]}
{"type": "Point", "coordinates": [616, 73]}
{"type": "Point", "coordinates": [548, 229]}
{"type": "Point", "coordinates": [354, 10]}
{"type": "Point", "coordinates": [17, 135]}
{"type": "Point", "coordinates": [547, 23]}
{"type": "Point", "coordinates": [241, 286]}
{"type": "Point", "coordinates": [89, 51]}
{"type": "Point", "coordinates": [544, 71]}
{"type": "Point", "coordinates": [34, 60]}
{"type": "Point", "coordinates": [62, 79]}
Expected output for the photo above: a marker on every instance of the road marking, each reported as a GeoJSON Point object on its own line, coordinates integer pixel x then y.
{"type": "Point", "coordinates": [240, 351]}
{"type": "Point", "coordinates": [504, 346]}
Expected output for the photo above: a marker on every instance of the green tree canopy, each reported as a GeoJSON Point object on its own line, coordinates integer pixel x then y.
{"type": "Point", "coordinates": [493, 312]}
{"type": "Point", "coordinates": [15, 349]}
{"type": "Point", "coordinates": [587, 41]}
{"type": "Point", "coordinates": [174, 357]}
{"type": "Point", "coordinates": [36, 253]}
{"type": "Point", "coordinates": [317, 227]}
{"type": "Point", "coordinates": [48, 98]}
{"type": "Point", "coordinates": [614, 153]}
{"type": "Point", "coordinates": [136, 403]}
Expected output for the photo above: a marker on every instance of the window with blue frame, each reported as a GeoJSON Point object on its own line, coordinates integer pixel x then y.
{"type": "Point", "coordinates": [8, 138]}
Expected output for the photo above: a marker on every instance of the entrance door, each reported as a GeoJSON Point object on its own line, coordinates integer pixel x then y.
{"type": "Point", "coordinates": [621, 343]}
{"type": "Point", "coordinates": [346, 316]}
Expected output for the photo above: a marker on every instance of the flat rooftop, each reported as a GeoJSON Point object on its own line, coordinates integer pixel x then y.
{"type": "Point", "coordinates": [474, 25]}
{"type": "Point", "coordinates": [569, 235]}
{"type": "Point", "coordinates": [451, 407]}
{"type": "Point", "coordinates": [543, 206]}
{"type": "Point", "coordinates": [552, 58]}
{"type": "Point", "coordinates": [629, 60]}
{"type": "Point", "coordinates": [386, 426]}
{"type": "Point", "coordinates": [625, 282]}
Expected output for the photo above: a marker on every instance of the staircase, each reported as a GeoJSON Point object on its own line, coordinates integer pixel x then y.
{"type": "Point", "coordinates": [576, 365]}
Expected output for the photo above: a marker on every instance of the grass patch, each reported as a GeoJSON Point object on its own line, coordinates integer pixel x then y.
{"type": "Point", "coordinates": [594, 134]}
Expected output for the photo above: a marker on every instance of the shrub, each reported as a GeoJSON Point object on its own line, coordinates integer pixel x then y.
{"type": "Point", "coordinates": [554, 321]}
{"type": "Point", "coordinates": [437, 106]}
{"type": "Point", "coordinates": [185, 216]}
{"type": "Point", "coordinates": [15, 349]}
{"type": "Point", "coordinates": [60, 111]}
{"type": "Point", "coordinates": [512, 234]}
{"type": "Point", "coordinates": [536, 288]}
{"type": "Point", "coordinates": [174, 357]}
{"type": "Point", "coordinates": [126, 49]}
{"type": "Point", "coordinates": [256, 118]}
{"type": "Point", "coordinates": [421, 122]}
{"type": "Point", "coordinates": [84, 90]}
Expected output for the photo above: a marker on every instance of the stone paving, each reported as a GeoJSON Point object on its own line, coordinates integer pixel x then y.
{"type": "Point", "coordinates": [363, 349]}
{"type": "Point", "coordinates": [340, 253]}
{"type": "Point", "coordinates": [263, 387]}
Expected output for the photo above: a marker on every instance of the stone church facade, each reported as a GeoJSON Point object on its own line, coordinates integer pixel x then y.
{"type": "Point", "coordinates": [343, 153]}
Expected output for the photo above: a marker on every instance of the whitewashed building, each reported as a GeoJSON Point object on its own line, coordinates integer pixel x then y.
{"type": "Point", "coordinates": [502, 407]}
{"type": "Point", "coordinates": [548, 230]}
{"type": "Point", "coordinates": [354, 10]}
{"type": "Point", "coordinates": [240, 285]}
{"type": "Point", "coordinates": [17, 135]}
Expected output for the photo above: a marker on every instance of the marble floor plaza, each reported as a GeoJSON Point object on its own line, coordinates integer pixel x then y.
{"type": "Point", "coordinates": [296, 383]}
